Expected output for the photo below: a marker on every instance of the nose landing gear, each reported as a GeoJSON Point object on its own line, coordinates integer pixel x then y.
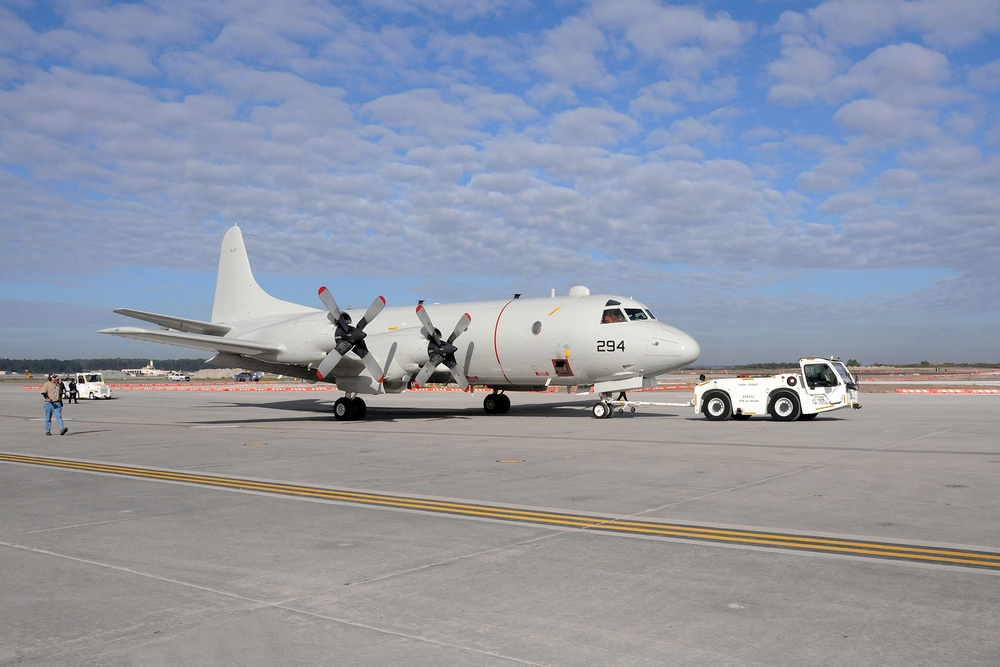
{"type": "Point", "coordinates": [607, 406]}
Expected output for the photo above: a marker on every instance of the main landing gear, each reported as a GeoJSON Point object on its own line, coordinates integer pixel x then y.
{"type": "Point", "coordinates": [350, 408]}
{"type": "Point", "coordinates": [496, 403]}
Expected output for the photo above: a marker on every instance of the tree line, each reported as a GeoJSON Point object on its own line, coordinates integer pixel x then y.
{"type": "Point", "coordinates": [43, 366]}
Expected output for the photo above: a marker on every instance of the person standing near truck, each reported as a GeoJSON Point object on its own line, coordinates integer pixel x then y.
{"type": "Point", "coordinates": [52, 393]}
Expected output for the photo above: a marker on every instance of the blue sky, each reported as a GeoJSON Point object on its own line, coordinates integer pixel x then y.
{"type": "Point", "coordinates": [776, 178]}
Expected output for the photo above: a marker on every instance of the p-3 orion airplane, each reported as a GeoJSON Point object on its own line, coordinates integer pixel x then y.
{"type": "Point", "coordinates": [607, 343]}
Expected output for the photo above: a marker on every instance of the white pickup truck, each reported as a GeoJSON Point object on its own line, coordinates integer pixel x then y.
{"type": "Point", "coordinates": [821, 385]}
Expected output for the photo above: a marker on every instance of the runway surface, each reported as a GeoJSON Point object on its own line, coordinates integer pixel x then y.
{"type": "Point", "coordinates": [187, 528]}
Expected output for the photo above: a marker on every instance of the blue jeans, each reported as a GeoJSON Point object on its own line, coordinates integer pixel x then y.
{"type": "Point", "coordinates": [53, 409]}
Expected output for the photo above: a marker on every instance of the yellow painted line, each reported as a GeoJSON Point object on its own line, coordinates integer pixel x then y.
{"type": "Point", "coordinates": [885, 550]}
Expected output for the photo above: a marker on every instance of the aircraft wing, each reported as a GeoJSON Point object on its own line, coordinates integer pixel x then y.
{"type": "Point", "coordinates": [197, 341]}
{"type": "Point", "coordinates": [179, 323]}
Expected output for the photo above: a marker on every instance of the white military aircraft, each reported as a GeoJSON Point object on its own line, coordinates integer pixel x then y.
{"type": "Point", "coordinates": [607, 343]}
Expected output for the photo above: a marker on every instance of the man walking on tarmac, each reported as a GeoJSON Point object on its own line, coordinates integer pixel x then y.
{"type": "Point", "coordinates": [52, 393]}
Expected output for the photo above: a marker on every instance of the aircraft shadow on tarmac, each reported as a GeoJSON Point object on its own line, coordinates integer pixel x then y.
{"type": "Point", "coordinates": [322, 411]}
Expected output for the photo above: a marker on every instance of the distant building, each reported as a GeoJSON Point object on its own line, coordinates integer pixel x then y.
{"type": "Point", "coordinates": [147, 371]}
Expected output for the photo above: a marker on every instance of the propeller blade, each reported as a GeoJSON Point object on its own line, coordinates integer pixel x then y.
{"type": "Point", "coordinates": [373, 310]}
{"type": "Point", "coordinates": [425, 372]}
{"type": "Point", "coordinates": [370, 363]}
{"type": "Point", "coordinates": [460, 328]}
{"type": "Point", "coordinates": [329, 362]}
{"type": "Point", "coordinates": [456, 372]}
{"type": "Point", "coordinates": [330, 303]}
{"type": "Point", "coordinates": [388, 360]}
{"type": "Point", "coordinates": [424, 318]}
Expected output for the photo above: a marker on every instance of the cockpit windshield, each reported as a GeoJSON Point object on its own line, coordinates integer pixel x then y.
{"type": "Point", "coordinates": [615, 315]}
{"type": "Point", "coordinates": [612, 316]}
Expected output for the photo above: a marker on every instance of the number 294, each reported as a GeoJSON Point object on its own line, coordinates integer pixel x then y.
{"type": "Point", "coordinates": [610, 346]}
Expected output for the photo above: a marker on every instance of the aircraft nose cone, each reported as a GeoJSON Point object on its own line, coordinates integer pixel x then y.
{"type": "Point", "coordinates": [690, 350]}
{"type": "Point", "coordinates": [675, 347]}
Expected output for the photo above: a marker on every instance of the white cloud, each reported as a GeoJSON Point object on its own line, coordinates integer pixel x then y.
{"type": "Point", "coordinates": [885, 122]}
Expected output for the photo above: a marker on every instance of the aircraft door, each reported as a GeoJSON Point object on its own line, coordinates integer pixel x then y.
{"type": "Point", "coordinates": [822, 380]}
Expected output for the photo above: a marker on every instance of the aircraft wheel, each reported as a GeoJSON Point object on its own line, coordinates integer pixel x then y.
{"type": "Point", "coordinates": [360, 408]}
{"type": "Point", "coordinates": [503, 404]}
{"type": "Point", "coordinates": [784, 407]}
{"type": "Point", "coordinates": [602, 410]}
{"type": "Point", "coordinates": [491, 404]}
{"type": "Point", "coordinates": [343, 409]}
{"type": "Point", "coordinates": [716, 406]}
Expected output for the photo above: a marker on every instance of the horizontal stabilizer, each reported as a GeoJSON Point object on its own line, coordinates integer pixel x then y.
{"type": "Point", "coordinates": [197, 341]}
{"type": "Point", "coordinates": [180, 323]}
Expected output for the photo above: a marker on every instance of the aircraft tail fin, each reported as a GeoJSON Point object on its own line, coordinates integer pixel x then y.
{"type": "Point", "coordinates": [237, 295]}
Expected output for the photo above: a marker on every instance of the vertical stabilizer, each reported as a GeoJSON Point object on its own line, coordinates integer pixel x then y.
{"type": "Point", "coordinates": [237, 295]}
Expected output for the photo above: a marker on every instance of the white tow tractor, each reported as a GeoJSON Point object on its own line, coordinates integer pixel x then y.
{"type": "Point", "coordinates": [821, 385]}
{"type": "Point", "coordinates": [91, 385]}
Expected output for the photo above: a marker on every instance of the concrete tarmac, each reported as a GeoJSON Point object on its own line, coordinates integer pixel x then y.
{"type": "Point", "coordinates": [172, 528]}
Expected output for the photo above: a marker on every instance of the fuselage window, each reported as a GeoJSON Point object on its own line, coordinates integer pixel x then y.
{"type": "Point", "coordinates": [612, 316]}
{"type": "Point", "coordinates": [635, 314]}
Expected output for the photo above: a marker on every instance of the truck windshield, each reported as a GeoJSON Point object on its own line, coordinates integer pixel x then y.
{"type": "Point", "coordinates": [844, 374]}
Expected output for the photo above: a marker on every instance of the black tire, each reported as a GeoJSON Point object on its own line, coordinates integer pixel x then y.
{"type": "Point", "coordinates": [343, 409]}
{"type": "Point", "coordinates": [360, 408]}
{"type": "Point", "coordinates": [503, 404]}
{"type": "Point", "coordinates": [784, 406]}
{"type": "Point", "coordinates": [716, 406]}
{"type": "Point", "coordinates": [601, 410]}
{"type": "Point", "coordinates": [491, 404]}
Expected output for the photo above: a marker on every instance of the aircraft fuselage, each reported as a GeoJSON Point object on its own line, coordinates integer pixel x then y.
{"type": "Point", "coordinates": [522, 343]}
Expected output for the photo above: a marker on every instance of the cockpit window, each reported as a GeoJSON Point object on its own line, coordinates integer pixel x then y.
{"type": "Point", "coordinates": [650, 313]}
{"type": "Point", "coordinates": [636, 314]}
{"type": "Point", "coordinates": [612, 316]}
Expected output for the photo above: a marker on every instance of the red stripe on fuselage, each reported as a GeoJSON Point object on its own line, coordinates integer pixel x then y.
{"type": "Point", "coordinates": [496, 350]}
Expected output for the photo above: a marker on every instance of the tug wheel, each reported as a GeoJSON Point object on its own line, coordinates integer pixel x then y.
{"type": "Point", "coordinates": [716, 406]}
{"type": "Point", "coordinates": [784, 407]}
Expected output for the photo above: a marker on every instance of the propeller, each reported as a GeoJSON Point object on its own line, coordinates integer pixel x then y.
{"type": "Point", "coordinates": [441, 351]}
{"type": "Point", "coordinates": [350, 337]}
